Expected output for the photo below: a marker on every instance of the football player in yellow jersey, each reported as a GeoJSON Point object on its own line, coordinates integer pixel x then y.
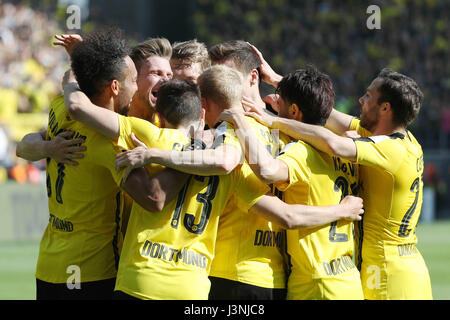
{"type": "Point", "coordinates": [322, 257]}
{"type": "Point", "coordinates": [83, 236]}
{"type": "Point", "coordinates": [391, 169]}
{"type": "Point", "coordinates": [247, 266]}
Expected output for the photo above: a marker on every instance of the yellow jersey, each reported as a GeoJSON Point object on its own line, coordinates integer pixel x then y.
{"type": "Point", "coordinates": [249, 248]}
{"type": "Point", "coordinates": [85, 207]}
{"type": "Point", "coordinates": [321, 257]}
{"type": "Point", "coordinates": [155, 120]}
{"type": "Point", "coordinates": [391, 187]}
{"type": "Point", "coordinates": [167, 255]}
{"type": "Point", "coordinates": [151, 134]}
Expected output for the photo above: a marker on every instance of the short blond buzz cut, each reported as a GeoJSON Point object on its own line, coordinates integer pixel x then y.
{"type": "Point", "coordinates": [222, 85]}
{"type": "Point", "coordinates": [192, 51]}
{"type": "Point", "coordinates": [159, 47]}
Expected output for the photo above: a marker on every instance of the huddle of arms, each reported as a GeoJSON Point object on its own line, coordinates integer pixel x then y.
{"type": "Point", "coordinates": [155, 192]}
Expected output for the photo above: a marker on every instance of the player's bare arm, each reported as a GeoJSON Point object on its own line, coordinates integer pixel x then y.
{"type": "Point", "coordinates": [62, 148]}
{"type": "Point", "coordinates": [338, 122]}
{"type": "Point", "coordinates": [80, 108]}
{"type": "Point", "coordinates": [295, 216]}
{"type": "Point", "coordinates": [153, 192]}
{"type": "Point", "coordinates": [268, 169]}
{"type": "Point", "coordinates": [208, 162]}
{"type": "Point", "coordinates": [319, 137]}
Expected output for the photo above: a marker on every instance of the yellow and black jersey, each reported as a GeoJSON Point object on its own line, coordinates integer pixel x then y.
{"type": "Point", "coordinates": [321, 257]}
{"type": "Point", "coordinates": [85, 207]}
{"type": "Point", "coordinates": [391, 186]}
{"type": "Point", "coordinates": [85, 203]}
{"type": "Point", "coordinates": [249, 248]}
{"type": "Point", "coordinates": [167, 255]}
{"type": "Point", "coordinates": [150, 134]}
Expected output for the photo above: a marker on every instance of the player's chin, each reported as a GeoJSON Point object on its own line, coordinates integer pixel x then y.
{"type": "Point", "coordinates": [124, 110]}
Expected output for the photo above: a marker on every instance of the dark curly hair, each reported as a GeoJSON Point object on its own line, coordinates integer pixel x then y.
{"type": "Point", "coordinates": [99, 59]}
{"type": "Point", "coordinates": [402, 93]}
{"type": "Point", "coordinates": [312, 91]}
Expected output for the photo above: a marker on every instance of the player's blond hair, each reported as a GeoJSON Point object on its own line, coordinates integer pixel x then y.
{"type": "Point", "coordinates": [192, 51]}
{"type": "Point", "coordinates": [222, 85]}
{"type": "Point", "coordinates": [159, 47]}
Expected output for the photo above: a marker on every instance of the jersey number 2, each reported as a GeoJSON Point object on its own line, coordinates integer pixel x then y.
{"type": "Point", "coordinates": [404, 231]}
{"type": "Point", "coordinates": [341, 184]}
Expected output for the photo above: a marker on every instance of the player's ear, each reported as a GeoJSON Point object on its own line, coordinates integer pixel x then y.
{"type": "Point", "coordinates": [386, 106]}
{"type": "Point", "coordinates": [203, 114]}
{"type": "Point", "coordinates": [204, 104]}
{"type": "Point", "coordinates": [114, 87]}
{"type": "Point", "coordinates": [295, 112]}
{"type": "Point", "coordinates": [254, 80]}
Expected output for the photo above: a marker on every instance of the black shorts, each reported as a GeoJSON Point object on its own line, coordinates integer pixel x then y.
{"type": "Point", "coordinates": [224, 289]}
{"type": "Point", "coordinates": [94, 290]}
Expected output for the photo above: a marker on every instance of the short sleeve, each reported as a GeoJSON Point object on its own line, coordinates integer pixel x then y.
{"type": "Point", "coordinates": [224, 135]}
{"type": "Point", "coordinates": [294, 156]}
{"type": "Point", "coordinates": [104, 154]}
{"type": "Point", "coordinates": [379, 151]}
{"type": "Point", "coordinates": [248, 187]}
{"type": "Point", "coordinates": [143, 130]}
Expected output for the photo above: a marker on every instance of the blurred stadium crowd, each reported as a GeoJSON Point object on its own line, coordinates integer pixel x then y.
{"type": "Point", "coordinates": [414, 39]}
{"type": "Point", "coordinates": [30, 76]}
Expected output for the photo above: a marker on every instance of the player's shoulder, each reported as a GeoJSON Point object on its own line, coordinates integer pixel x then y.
{"type": "Point", "coordinates": [224, 134]}
{"type": "Point", "coordinates": [57, 102]}
{"type": "Point", "coordinates": [395, 143]}
{"type": "Point", "coordinates": [135, 123]}
{"type": "Point", "coordinates": [175, 138]}
{"type": "Point", "coordinates": [168, 133]}
{"type": "Point", "coordinates": [58, 108]}
{"type": "Point", "coordinates": [413, 141]}
{"type": "Point", "coordinates": [60, 120]}
{"type": "Point", "coordinates": [255, 124]}
{"type": "Point", "coordinates": [223, 128]}
{"type": "Point", "coordinates": [296, 146]}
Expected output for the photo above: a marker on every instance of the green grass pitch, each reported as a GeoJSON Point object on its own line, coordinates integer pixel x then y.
{"type": "Point", "coordinates": [18, 262]}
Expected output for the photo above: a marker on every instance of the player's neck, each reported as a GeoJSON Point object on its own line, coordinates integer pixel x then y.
{"type": "Point", "coordinates": [388, 129]}
{"type": "Point", "coordinates": [142, 110]}
{"type": "Point", "coordinates": [255, 96]}
{"type": "Point", "coordinates": [103, 102]}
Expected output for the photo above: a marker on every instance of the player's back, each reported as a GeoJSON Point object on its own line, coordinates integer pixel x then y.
{"type": "Point", "coordinates": [168, 254]}
{"type": "Point", "coordinates": [321, 257]}
{"type": "Point", "coordinates": [85, 207]}
{"type": "Point", "coordinates": [249, 248]}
